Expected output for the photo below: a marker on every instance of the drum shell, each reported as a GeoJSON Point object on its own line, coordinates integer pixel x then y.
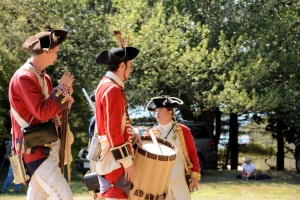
{"type": "Point", "coordinates": [152, 172]}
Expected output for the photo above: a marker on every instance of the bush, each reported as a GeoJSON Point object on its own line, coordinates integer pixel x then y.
{"type": "Point", "coordinates": [259, 149]}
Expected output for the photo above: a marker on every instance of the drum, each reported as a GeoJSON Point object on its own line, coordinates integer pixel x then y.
{"type": "Point", "coordinates": [152, 171]}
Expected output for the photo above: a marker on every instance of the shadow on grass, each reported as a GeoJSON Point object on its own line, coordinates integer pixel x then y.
{"type": "Point", "coordinates": [77, 183]}
{"type": "Point", "coordinates": [209, 177]}
{"type": "Point", "coordinates": [228, 176]}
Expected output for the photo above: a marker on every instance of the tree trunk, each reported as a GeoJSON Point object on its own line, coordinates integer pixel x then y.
{"type": "Point", "coordinates": [185, 110]}
{"type": "Point", "coordinates": [208, 118]}
{"type": "Point", "coordinates": [187, 114]}
{"type": "Point", "coordinates": [218, 115]}
{"type": "Point", "coordinates": [280, 145]}
{"type": "Point", "coordinates": [233, 140]}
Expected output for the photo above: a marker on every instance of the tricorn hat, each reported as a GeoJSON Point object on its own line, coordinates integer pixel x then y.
{"type": "Point", "coordinates": [45, 40]}
{"type": "Point", "coordinates": [163, 101]}
{"type": "Point", "coordinates": [117, 55]}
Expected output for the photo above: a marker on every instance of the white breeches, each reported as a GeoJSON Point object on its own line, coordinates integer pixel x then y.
{"type": "Point", "coordinates": [47, 180]}
{"type": "Point", "coordinates": [178, 190]}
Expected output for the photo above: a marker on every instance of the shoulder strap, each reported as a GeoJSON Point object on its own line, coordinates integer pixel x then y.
{"type": "Point", "coordinates": [42, 82]}
{"type": "Point", "coordinates": [22, 123]}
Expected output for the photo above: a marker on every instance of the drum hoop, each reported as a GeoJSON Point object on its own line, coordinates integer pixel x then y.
{"type": "Point", "coordinates": [155, 156]}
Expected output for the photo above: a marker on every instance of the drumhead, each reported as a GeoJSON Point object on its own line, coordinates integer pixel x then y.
{"type": "Point", "coordinates": [150, 147]}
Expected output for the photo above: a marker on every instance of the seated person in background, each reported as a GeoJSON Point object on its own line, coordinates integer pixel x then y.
{"type": "Point", "coordinates": [249, 169]}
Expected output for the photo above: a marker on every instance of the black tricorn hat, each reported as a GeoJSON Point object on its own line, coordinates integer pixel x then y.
{"type": "Point", "coordinates": [163, 101]}
{"type": "Point", "coordinates": [117, 55]}
{"type": "Point", "coordinates": [45, 40]}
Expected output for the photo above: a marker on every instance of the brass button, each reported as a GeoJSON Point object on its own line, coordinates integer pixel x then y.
{"type": "Point", "coordinates": [58, 93]}
{"type": "Point", "coordinates": [64, 100]}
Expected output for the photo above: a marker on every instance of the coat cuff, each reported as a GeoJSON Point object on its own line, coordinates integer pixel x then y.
{"type": "Point", "coordinates": [126, 162]}
{"type": "Point", "coordinates": [59, 98]}
{"type": "Point", "coordinates": [122, 155]}
{"type": "Point", "coordinates": [196, 175]}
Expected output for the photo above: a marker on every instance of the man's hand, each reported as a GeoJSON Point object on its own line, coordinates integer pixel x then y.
{"type": "Point", "coordinates": [137, 140]}
{"type": "Point", "coordinates": [67, 79]}
{"type": "Point", "coordinates": [70, 90]}
{"type": "Point", "coordinates": [193, 184]}
{"type": "Point", "coordinates": [129, 172]}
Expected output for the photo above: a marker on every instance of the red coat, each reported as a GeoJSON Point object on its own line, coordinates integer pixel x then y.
{"type": "Point", "coordinates": [113, 122]}
{"type": "Point", "coordinates": [111, 116]}
{"type": "Point", "coordinates": [26, 98]}
{"type": "Point", "coordinates": [191, 148]}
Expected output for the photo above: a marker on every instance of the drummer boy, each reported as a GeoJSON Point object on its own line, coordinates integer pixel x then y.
{"type": "Point", "coordinates": [186, 162]}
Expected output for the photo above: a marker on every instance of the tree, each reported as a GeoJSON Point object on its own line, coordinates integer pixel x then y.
{"type": "Point", "coordinates": [77, 54]}
{"type": "Point", "coordinates": [277, 40]}
{"type": "Point", "coordinates": [216, 55]}
{"type": "Point", "coordinates": [173, 53]}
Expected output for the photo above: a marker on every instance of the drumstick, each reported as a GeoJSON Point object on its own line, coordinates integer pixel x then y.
{"type": "Point", "coordinates": [156, 143]}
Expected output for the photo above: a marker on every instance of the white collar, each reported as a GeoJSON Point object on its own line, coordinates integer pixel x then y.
{"type": "Point", "coordinates": [165, 127]}
{"type": "Point", "coordinates": [113, 76]}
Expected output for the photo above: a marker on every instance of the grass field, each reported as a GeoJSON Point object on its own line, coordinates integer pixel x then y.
{"type": "Point", "coordinates": [219, 185]}
{"type": "Point", "coordinates": [222, 184]}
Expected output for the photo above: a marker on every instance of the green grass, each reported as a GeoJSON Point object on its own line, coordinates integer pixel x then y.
{"type": "Point", "coordinates": [220, 185]}
{"type": "Point", "coordinates": [223, 185]}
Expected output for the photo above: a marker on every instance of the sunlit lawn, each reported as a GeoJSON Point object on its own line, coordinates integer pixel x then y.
{"type": "Point", "coordinates": [224, 185]}
{"type": "Point", "coordinates": [221, 185]}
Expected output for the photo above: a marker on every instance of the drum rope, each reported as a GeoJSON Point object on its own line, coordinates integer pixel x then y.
{"type": "Point", "coordinates": [164, 170]}
{"type": "Point", "coordinates": [146, 182]}
{"type": "Point", "coordinates": [140, 178]}
{"type": "Point", "coordinates": [169, 176]}
{"type": "Point", "coordinates": [150, 181]}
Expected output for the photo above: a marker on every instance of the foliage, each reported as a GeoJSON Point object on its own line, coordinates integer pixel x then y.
{"type": "Point", "coordinates": [257, 149]}
{"type": "Point", "coordinates": [239, 56]}
{"type": "Point", "coordinates": [172, 58]}
{"type": "Point", "coordinates": [11, 26]}
{"type": "Point", "coordinates": [277, 40]}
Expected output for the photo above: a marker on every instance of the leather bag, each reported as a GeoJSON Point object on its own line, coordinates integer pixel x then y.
{"type": "Point", "coordinates": [41, 134]}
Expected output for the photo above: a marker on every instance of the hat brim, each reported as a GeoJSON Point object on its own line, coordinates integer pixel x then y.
{"type": "Point", "coordinates": [163, 101]}
{"type": "Point", "coordinates": [45, 40]}
{"type": "Point", "coordinates": [117, 55]}
{"type": "Point", "coordinates": [57, 37]}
